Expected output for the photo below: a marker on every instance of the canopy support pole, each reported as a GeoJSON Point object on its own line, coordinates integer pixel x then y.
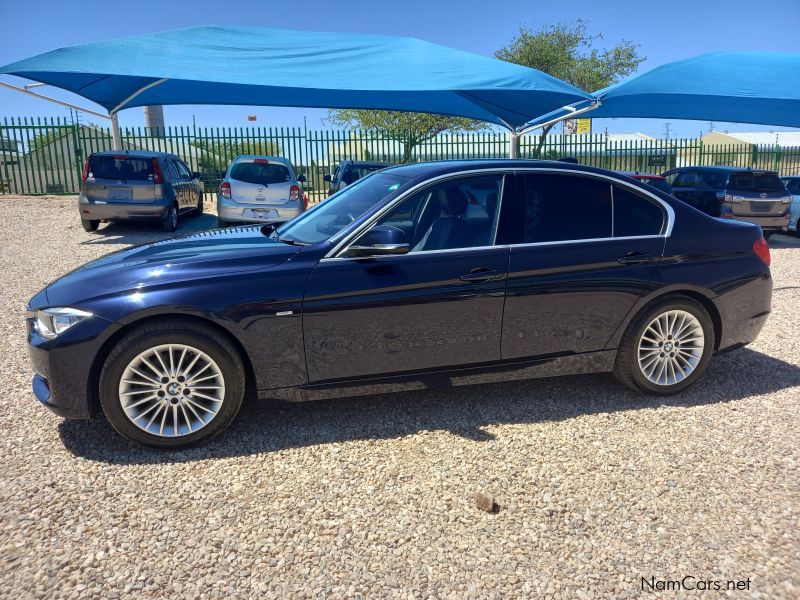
{"type": "Point", "coordinates": [49, 99]}
{"type": "Point", "coordinates": [513, 144]}
{"type": "Point", "coordinates": [116, 137]}
{"type": "Point", "coordinates": [570, 115]}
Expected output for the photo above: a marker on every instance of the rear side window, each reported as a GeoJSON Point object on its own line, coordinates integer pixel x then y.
{"type": "Point", "coordinates": [713, 180]}
{"type": "Point", "coordinates": [755, 182]}
{"type": "Point", "coordinates": [659, 184]}
{"type": "Point", "coordinates": [354, 173]}
{"type": "Point", "coordinates": [129, 168]}
{"type": "Point", "coordinates": [250, 172]}
{"type": "Point", "coordinates": [793, 185]}
{"type": "Point", "coordinates": [686, 179]}
{"type": "Point", "coordinates": [635, 215]}
{"type": "Point", "coordinates": [563, 207]}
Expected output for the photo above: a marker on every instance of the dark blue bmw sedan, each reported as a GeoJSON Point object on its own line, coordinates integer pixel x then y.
{"type": "Point", "coordinates": [416, 276]}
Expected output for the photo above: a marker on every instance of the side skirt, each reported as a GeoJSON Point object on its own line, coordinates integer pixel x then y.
{"type": "Point", "coordinates": [572, 364]}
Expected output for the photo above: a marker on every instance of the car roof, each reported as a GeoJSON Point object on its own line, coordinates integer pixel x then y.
{"type": "Point", "coordinates": [725, 169]}
{"type": "Point", "coordinates": [135, 153]}
{"type": "Point", "coordinates": [365, 163]}
{"type": "Point", "coordinates": [443, 167]}
{"type": "Point", "coordinates": [278, 159]}
{"type": "Point", "coordinates": [638, 175]}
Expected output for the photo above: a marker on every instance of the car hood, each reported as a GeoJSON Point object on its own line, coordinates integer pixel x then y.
{"type": "Point", "coordinates": [203, 254]}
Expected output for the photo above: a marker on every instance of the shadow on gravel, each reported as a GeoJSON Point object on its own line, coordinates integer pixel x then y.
{"type": "Point", "coordinates": [139, 232]}
{"type": "Point", "coordinates": [265, 426]}
{"type": "Point", "coordinates": [784, 240]}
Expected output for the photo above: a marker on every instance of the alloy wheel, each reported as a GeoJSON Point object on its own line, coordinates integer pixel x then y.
{"type": "Point", "coordinates": [671, 347]}
{"type": "Point", "coordinates": [171, 390]}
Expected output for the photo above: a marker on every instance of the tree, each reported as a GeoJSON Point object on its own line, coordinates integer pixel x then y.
{"type": "Point", "coordinates": [410, 128]}
{"type": "Point", "coordinates": [567, 51]}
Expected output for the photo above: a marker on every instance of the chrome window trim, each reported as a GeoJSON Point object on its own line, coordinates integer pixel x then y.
{"type": "Point", "coordinates": [354, 233]}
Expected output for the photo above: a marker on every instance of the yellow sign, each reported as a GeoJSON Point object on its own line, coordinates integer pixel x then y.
{"type": "Point", "coordinates": [583, 126]}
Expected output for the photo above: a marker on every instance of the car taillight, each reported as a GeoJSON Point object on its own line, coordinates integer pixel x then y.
{"type": "Point", "coordinates": [261, 161]}
{"type": "Point", "coordinates": [158, 176]}
{"type": "Point", "coordinates": [225, 189]}
{"type": "Point", "coordinates": [761, 248]}
{"type": "Point", "coordinates": [85, 174]}
{"type": "Point", "coordinates": [294, 192]}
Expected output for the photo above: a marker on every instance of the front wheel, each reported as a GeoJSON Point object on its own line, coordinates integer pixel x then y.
{"type": "Point", "coordinates": [666, 347]}
{"type": "Point", "coordinates": [170, 222]}
{"type": "Point", "coordinates": [172, 384]}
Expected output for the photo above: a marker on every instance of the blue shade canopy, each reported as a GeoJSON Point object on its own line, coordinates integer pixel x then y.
{"type": "Point", "coordinates": [742, 87]}
{"type": "Point", "coordinates": [277, 67]}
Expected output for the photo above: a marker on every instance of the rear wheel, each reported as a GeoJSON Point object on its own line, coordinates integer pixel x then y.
{"type": "Point", "coordinates": [172, 384]}
{"type": "Point", "coordinates": [198, 211]}
{"type": "Point", "coordinates": [170, 222]}
{"type": "Point", "coordinates": [90, 225]}
{"type": "Point", "coordinates": [666, 347]}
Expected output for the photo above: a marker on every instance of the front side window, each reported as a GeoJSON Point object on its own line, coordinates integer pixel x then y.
{"type": "Point", "coordinates": [459, 213]}
{"type": "Point", "coordinates": [685, 179]}
{"type": "Point", "coordinates": [635, 215]}
{"type": "Point", "coordinates": [329, 217]}
{"type": "Point", "coordinates": [566, 207]}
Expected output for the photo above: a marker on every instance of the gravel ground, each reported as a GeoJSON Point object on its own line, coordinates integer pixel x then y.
{"type": "Point", "coordinates": [373, 497]}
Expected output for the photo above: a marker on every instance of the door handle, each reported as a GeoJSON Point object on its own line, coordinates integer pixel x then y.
{"type": "Point", "coordinates": [635, 258]}
{"type": "Point", "coordinates": [482, 275]}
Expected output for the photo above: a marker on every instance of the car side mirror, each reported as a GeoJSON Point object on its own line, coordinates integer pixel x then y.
{"type": "Point", "coordinates": [381, 240]}
{"type": "Point", "coordinates": [327, 178]}
{"type": "Point", "coordinates": [301, 178]}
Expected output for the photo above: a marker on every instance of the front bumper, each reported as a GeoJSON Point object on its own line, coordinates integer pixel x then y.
{"type": "Point", "coordinates": [112, 211]}
{"type": "Point", "coordinates": [63, 366]}
{"type": "Point", "coordinates": [232, 212]}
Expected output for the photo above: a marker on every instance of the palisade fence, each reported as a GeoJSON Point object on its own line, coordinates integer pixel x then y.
{"type": "Point", "coordinates": [46, 156]}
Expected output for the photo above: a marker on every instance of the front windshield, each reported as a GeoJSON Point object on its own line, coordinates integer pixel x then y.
{"type": "Point", "coordinates": [330, 216]}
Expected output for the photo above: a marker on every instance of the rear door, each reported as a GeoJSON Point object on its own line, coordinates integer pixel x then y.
{"type": "Point", "coordinates": [585, 250]}
{"type": "Point", "coordinates": [757, 194]}
{"type": "Point", "coordinates": [259, 181]}
{"type": "Point", "coordinates": [188, 196]}
{"type": "Point", "coordinates": [120, 178]}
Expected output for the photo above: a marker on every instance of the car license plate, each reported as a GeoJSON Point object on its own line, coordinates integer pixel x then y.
{"type": "Point", "coordinates": [263, 213]}
{"type": "Point", "coordinates": [119, 194]}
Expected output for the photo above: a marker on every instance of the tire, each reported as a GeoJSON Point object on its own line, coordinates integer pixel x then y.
{"type": "Point", "coordinates": [199, 210]}
{"type": "Point", "coordinates": [206, 347]}
{"type": "Point", "coordinates": [170, 222]}
{"type": "Point", "coordinates": [91, 225]}
{"type": "Point", "coordinates": [643, 377]}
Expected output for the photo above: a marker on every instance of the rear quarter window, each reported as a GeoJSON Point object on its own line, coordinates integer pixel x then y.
{"type": "Point", "coordinates": [249, 172]}
{"type": "Point", "coordinates": [635, 215]}
{"type": "Point", "coordinates": [129, 168]}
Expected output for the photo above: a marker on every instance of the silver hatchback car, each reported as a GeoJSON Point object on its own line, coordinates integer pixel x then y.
{"type": "Point", "coordinates": [259, 189]}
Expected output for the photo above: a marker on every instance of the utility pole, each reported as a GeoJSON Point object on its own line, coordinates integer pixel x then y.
{"type": "Point", "coordinates": [667, 126]}
{"type": "Point", "coordinates": [710, 126]}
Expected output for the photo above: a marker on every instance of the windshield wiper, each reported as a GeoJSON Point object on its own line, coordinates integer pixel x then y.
{"type": "Point", "coordinates": [291, 242]}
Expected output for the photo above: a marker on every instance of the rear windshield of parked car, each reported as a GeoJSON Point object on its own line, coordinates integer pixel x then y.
{"type": "Point", "coordinates": [250, 172]}
{"type": "Point", "coordinates": [755, 182]}
{"type": "Point", "coordinates": [128, 168]}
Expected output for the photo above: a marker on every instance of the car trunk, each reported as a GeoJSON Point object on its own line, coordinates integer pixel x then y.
{"type": "Point", "coordinates": [260, 182]}
{"type": "Point", "coordinates": [756, 194]}
{"type": "Point", "coordinates": [120, 178]}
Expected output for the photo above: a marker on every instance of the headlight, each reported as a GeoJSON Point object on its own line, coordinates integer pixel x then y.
{"type": "Point", "coordinates": [51, 322]}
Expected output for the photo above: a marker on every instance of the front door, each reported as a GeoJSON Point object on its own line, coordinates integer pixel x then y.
{"type": "Point", "coordinates": [439, 306]}
{"type": "Point", "coordinates": [587, 251]}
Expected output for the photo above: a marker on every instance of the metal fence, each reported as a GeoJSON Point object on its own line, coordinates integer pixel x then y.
{"type": "Point", "coordinates": [46, 156]}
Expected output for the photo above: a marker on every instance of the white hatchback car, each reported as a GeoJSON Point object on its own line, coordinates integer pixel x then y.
{"type": "Point", "coordinates": [259, 189]}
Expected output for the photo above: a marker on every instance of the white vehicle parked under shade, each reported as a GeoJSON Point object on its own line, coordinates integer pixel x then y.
{"type": "Point", "coordinates": [259, 189]}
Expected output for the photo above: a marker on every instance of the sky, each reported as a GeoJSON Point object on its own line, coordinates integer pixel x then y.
{"type": "Point", "coordinates": [665, 31]}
